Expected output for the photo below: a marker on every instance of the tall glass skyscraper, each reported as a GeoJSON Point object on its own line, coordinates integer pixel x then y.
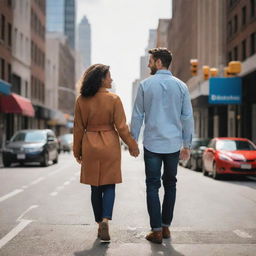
{"type": "Point", "coordinates": [61, 17]}
{"type": "Point", "coordinates": [84, 42]}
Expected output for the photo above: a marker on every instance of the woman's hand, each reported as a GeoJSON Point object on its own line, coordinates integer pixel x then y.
{"type": "Point", "coordinates": [134, 151]}
{"type": "Point", "coordinates": [79, 159]}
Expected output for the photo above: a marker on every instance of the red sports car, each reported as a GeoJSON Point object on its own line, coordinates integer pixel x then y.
{"type": "Point", "coordinates": [229, 156]}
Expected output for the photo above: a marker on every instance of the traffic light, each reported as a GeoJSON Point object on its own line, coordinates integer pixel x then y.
{"type": "Point", "coordinates": [234, 67]}
{"type": "Point", "coordinates": [194, 65]}
{"type": "Point", "coordinates": [206, 72]}
{"type": "Point", "coordinates": [214, 72]}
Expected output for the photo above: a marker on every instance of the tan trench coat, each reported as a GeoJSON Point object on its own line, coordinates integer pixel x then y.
{"type": "Point", "coordinates": [98, 123]}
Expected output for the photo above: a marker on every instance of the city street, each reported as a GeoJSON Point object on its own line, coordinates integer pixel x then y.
{"type": "Point", "coordinates": [46, 211]}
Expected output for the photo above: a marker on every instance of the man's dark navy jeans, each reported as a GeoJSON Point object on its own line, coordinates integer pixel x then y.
{"type": "Point", "coordinates": [153, 162]}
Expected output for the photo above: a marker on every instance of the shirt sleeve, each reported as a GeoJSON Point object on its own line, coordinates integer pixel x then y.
{"type": "Point", "coordinates": [121, 126]}
{"type": "Point", "coordinates": [78, 131]}
{"type": "Point", "coordinates": [187, 120]}
{"type": "Point", "coordinates": [137, 114]}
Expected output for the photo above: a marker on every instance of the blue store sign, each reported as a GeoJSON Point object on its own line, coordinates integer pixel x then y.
{"type": "Point", "coordinates": [225, 90]}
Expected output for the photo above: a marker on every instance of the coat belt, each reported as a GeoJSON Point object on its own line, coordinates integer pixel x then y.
{"type": "Point", "coordinates": [100, 128]}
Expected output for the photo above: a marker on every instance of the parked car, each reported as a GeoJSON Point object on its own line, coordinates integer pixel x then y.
{"type": "Point", "coordinates": [65, 142]}
{"type": "Point", "coordinates": [198, 147]}
{"type": "Point", "coordinates": [31, 146]}
{"type": "Point", "coordinates": [194, 162]}
{"type": "Point", "coordinates": [229, 156]}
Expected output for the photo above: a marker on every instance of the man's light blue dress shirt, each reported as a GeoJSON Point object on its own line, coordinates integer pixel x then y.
{"type": "Point", "coordinates": [164, 104]}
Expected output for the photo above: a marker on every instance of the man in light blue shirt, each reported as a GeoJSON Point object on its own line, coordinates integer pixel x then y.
{"type": "Point", "coordinates": [164, 104]}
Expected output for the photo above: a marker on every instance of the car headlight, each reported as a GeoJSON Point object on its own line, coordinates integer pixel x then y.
{"type": "Point", "coordinates": [30, 150]}
{"type": "Point", "coordinates": [225, 158]}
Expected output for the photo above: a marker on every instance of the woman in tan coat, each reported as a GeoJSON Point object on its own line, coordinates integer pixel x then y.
{"type": "Point", "coordinates": [99, 121]}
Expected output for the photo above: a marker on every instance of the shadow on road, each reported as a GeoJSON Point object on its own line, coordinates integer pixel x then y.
{"type": "Point", "coordinates": [164, 249]}
{"type": "Point", "coordinates": [96, 249]}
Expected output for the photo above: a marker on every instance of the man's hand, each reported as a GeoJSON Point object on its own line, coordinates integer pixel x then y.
{"type": "Point", "coordinates": [134, 152]}
{"type": "Point", "coordinates": [185, 154]}
{"type": "Point", "coordinates": [79, 159]}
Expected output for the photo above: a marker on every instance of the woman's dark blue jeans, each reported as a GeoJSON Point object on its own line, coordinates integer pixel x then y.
{"type": "Point", "coordinates": [102, 198]}
{"type": "Point", "coordinates": [153, 162]}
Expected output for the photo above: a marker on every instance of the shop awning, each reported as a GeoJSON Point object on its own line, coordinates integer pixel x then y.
{"type": "Point", "coordinates": [5, 88]}
{"type": "Point", "coordinates": [16, 104]}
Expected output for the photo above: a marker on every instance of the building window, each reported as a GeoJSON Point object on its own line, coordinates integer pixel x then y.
{"type": "Point", "coordinates": [230, 28]}
{"type": "Point", "coordinates": [235, 23]}
{"type": "Point", "coordinates": [2, 74]}
{"type": "Point", "coordinates": [9, 73]}
{"type": "Point", "coordinates": [243, 50]}
{"type": "Point", "coordinates": [253, 43]}
{"type": "Point", "coordinates": [243, 15]}
{"type": "Point", "coordinates": [253, 4]}
{"type": "Point", "coordinates": [236, 53]}
{"type": "Point", "coordinates": [2, 27]}
{"type": "Point", "coordinates": [9, 34]}
{"type": "Point", "coordinates": [229, 56]}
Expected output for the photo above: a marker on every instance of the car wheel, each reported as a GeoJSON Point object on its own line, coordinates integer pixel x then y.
{"type": "Point", "coordinates": [215, 175]}
{"type": "Point", "coordinates": [205, 173]}
{"type": "Point", "coordinates": [6, 163]}
{"type": "Point", "coordinates": [45, 161]}
{"type": "Point", "coordinates": [55, 161]}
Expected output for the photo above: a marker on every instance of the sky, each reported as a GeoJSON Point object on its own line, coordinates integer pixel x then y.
{"type": "Point", "coordinates": [120, 30]}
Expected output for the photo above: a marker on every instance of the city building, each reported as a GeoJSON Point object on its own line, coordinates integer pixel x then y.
{"type": "Point", "coordinates": [241, 46]}
{"type": "Point", "coordinates": [61, 17]}
{"type": "Point", "coordinates": [61, 85]}
{"type": "Point", "coordinates": [162, 33]}
{"type": "Point", "coordinates": [6, 23]}
{"type": "Point", "coordinates": [84, 42]}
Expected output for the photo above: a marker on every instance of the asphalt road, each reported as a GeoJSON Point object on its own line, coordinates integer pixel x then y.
{"type": "Point", "coordinates": [46, 211]}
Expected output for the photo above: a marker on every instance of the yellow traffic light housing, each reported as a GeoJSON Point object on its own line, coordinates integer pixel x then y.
{"type": "Point", "coordinates": [234, 67]}
{"type": "Point", "coordinates": [214, 72]}
{"type": "Point", "coordinates": [194, 66]}
{"type": "Point", "coordinates": [206, 72]}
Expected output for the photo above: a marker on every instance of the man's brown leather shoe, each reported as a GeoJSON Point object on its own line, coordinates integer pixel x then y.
{"type": "Point", "coordinates": [104, 232]}
{"type": "Point", "coordinates": [155, 237]}
{"type": "Point", "coordinates": [166, 232]}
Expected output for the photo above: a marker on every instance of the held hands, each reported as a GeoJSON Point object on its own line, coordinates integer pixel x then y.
{"type": "Point", "coordinates": [79, 159]}
{"type": "Point", "coordinates": [185, 154]}
{"type": "Point", "coordinates": [134, 152]}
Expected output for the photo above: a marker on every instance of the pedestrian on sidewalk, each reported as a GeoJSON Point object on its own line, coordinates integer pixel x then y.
{"type": "Point", "coordinates": [164, 104]}
{"type": "Point", "coordinates": [98, 123]}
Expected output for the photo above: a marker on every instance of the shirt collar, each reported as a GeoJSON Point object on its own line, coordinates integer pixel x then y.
{"type": "Point", "coordinates": [164, 71]}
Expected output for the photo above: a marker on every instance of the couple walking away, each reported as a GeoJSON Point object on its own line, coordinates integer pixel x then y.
{"type": "Point", "coordinates": [163, 103]}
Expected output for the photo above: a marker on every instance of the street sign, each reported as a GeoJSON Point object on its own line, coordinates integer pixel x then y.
{"type": "Point", "coordinates": [225, 90]}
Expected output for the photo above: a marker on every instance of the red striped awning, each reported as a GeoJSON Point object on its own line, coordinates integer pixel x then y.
{"type": "Point", "coordinates": [16, 104]}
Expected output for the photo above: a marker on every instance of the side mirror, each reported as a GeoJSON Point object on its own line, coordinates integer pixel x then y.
{"type": "Point", "coordinates": [50, 139]}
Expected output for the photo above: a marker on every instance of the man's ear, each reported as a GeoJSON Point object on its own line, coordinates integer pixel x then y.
{"type": "Point", "coordinates": [159, 63]}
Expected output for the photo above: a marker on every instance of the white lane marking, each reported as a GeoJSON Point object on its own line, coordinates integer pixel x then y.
{"type": "Point", "coordinates": [30, 208]}
{"type": "Point", "coordinates": [16, 230]}
{"type": "Point", "coordinates": [11, 194]}
{"type": "Point", "coordinates": [242, 234]}
{"type": "Point", "coordinates": [37, 181]}
{"type": "Point", "coordinates": [66, 183]}
{"type": "Point", "coordinates": [24, 187]}
{"type": "Point", "coordinates": [54, 193]}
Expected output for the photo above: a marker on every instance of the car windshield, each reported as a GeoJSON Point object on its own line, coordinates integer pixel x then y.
{"type": "Point", "coordinates": [231, 145]}
{"type": "Point", "coordinates": [32, 136]}
{"type": "Point", "coordinates": [198, 143]}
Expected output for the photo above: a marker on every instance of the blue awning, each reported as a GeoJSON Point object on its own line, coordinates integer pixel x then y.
{"type": "Point", "coordinates": [5, 88]}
